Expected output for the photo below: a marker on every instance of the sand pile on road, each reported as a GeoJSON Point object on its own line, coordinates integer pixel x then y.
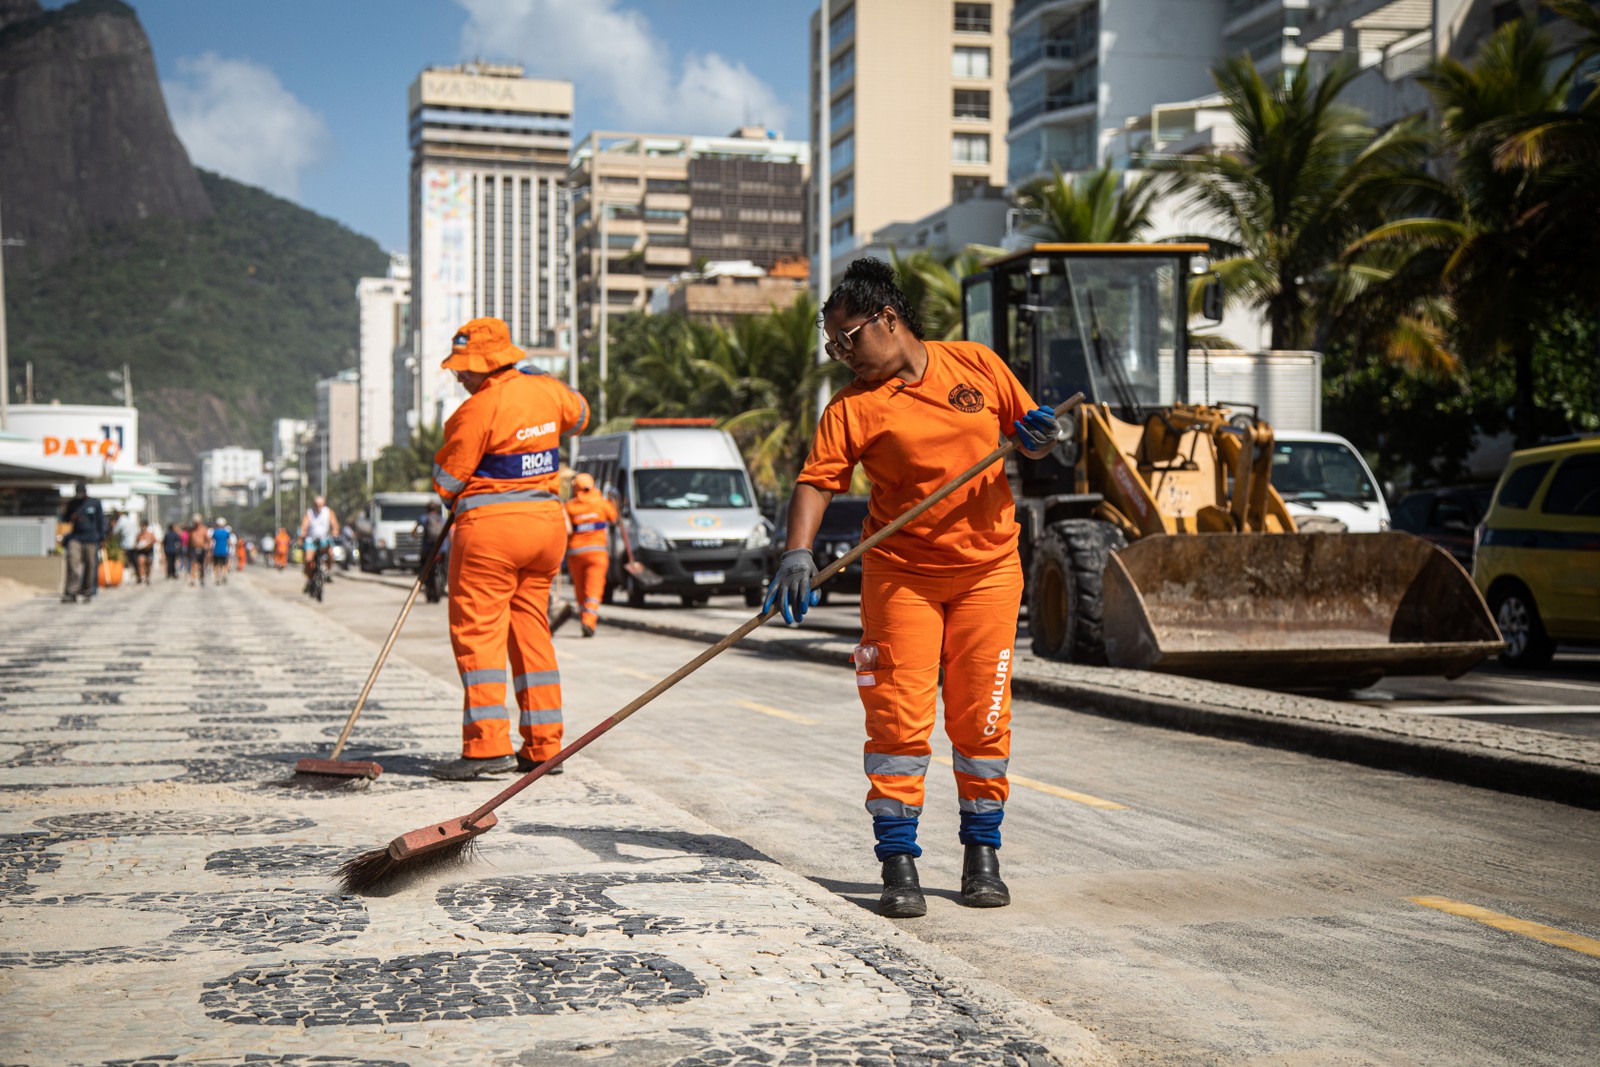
{"type": "Point", "coordinates": [146, 796]}
{"type": "Point", "coordinates": [13, 591]}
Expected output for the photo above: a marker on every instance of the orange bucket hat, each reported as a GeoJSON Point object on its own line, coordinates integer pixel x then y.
{"type": "Point", "coordinates": [482, 345]}
{"type": "Point", "coordinates": [583, 481]}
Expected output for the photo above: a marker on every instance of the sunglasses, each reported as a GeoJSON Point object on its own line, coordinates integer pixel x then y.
{"type": "Point", "coordinates": [846, 342]}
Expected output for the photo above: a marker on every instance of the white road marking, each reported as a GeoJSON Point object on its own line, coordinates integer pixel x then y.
{"type": "Point", "coordinates": [1501, 709]}
{"type": "Point", "coordinates": [1549, 685]}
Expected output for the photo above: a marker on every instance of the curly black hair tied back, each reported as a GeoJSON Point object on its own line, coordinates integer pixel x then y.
{"type": "Point", "coordinates": [869, 284]}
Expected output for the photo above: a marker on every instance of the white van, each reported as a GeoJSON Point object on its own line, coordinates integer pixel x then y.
{"type": "Point", "coordinates": [1326, 484]}
{"type": "Point", "coordinates": [686, 500]}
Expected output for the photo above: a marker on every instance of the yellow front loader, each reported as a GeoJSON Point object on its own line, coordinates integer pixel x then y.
{"type": "Point", "coordinates": [1153, 537]}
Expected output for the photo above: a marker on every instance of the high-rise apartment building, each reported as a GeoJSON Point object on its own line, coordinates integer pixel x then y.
{"type": "Point", "coordinates": [1081, 68]}
{"type": "Point", "coordinates": [383, 305]}
{"type": "Point", "coordinates": [337, 437]}
{"type": "Point", "coordinates": [916, 111]}
{"type": "Point", "coordinates": [489, 217]}
{"type": "Point", "coordinates": [660, 203]}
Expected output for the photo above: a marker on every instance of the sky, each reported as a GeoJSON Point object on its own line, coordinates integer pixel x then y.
{"type": "Point", "coordinates": [307, 98]}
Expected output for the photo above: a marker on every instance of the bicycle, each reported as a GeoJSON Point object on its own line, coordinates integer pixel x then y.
{"type": "Point", "coordinates": [318, 578]}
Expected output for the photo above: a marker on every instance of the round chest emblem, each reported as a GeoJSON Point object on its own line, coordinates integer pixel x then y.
{"type": "Point", "coordinates": [966, 398]}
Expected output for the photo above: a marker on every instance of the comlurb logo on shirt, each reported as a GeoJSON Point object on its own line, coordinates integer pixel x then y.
{"type": "Point", "coordinates": [966, 398]}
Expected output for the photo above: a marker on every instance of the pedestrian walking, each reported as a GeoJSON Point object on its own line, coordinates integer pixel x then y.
{"type": "Point", "coordinates": [221, 551]}
{"type": "Point", "coordinates": [85, 520]}
{"type": "Point", "coordinates": [589, 519]}
{"type": "Point", "coordinates": [429, 529]}
{"type": "Point", "coordinates": [199, 550]}
{"type": "Point", "coordinates": [144, 550]}
{"type": "Point", "coordinates": [498, 470]}
{"type": "Point", "coordinates": [280, 549]}
{"type": "Point", "coordinates": [126, 531]}
{"type": "Point", "coordinates": [941, 594]}
{"type": "Point", "coordinates": [172, 547]}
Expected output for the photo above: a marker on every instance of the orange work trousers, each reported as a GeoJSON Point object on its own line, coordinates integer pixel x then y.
{"type": "Point", "coordinates": [501, 569]}
{"type": "Point", "coordinates": [912, 625]}
{"type": "Point", "coordinates": [588, 569]}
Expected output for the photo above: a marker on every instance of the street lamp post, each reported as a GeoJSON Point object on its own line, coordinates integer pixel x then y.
{"type": "Point", "coordinates": [605, 319]}
{"type": "Point", "coordinates": [824, 185]}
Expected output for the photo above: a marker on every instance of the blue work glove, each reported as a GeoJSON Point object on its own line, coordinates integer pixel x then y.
{"type": "Point", "coordinates": [1039, 429]}
{"type": "Point", "coordinates": [791, 586]}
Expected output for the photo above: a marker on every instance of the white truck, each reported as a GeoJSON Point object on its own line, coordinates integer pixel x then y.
{"type": "Point", "coordinates": [686, 501]}
{"type": "Point", "coordinates": [386, 531]}
{"type": "Point", "coordinates": [1322, 478]}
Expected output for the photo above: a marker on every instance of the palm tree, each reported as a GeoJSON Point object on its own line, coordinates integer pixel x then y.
{"type": "Point", "coordinates": [776, 377]}
{"type": "Point", "coordinates": [1102, 206]}
{"type": "Point", "coordinates": [1309, 177]}
{"type": "Point", "coordinates": [933, 286]}
{"type": "Point", "coordinates": [1502, 258]}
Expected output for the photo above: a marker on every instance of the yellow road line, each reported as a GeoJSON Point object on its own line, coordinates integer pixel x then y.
{"type": "Point", "coordinates": [1538, 931]}
{"type": "Point", "coordinates": [643, 676]}
{"type": "Point", "coordinates": [1052, 790]}
{"type": "Point", "coordinates": [776, 713]}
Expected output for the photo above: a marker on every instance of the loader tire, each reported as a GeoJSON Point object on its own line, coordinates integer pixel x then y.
{"type": "Point", "coordinates": [1066, 592]}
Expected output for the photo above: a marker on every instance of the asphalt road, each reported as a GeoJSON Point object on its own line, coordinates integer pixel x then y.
{"type": "Point", "coordinates": [1191, 900]}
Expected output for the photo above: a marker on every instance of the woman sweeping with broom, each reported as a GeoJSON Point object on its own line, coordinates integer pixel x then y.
{"type": "Point", "coordinates": [944, 591]}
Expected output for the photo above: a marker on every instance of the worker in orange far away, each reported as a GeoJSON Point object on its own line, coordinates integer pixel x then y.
{"type": "Point", "coordinates": [498, 470]}
{"type": "Point", "coordinates": [590, 516]}
{"type": "Point", "coordinates": [280, 549]}
{"type": "Point", "coordinates": [942, 593]}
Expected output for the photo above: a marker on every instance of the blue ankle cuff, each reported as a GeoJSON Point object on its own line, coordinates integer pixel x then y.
{"type": "Point", "coordinates": [896, 836]}
{"type": "Point", "coordinates": [981, 827]}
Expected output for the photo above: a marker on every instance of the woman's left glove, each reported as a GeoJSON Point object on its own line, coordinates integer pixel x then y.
{"type": "Point", "coordinates": [791, 586]}
{"type": "Point", "coordinates": [1039, 429]}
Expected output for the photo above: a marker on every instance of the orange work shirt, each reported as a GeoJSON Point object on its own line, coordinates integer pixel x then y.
{"type": "Point", "coordinates": [914, 437]}
{"type": "Point", "coordinates": [590, 515]}
{"type": "Point", "coordinates": [502, 447]}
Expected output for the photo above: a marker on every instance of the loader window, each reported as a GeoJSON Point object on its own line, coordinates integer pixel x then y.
{"type": "Point", "coordinates": [1108, 322]}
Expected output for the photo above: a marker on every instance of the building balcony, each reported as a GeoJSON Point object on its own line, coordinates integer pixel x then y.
{"type": "Point", "coordinates": [1023, 9]}
{"type": "Point", "coordinates": [1047, 51]}
{"type": "Point", "coordinates": [1050, 105]}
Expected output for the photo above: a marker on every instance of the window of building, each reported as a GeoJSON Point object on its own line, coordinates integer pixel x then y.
{"type": "Point", "coordinates": [842, 69]}
{"type": "Point", "coordinates": [972, 104]}
{"type": "Point", "coordinates": [974, 18]}
{"type": "Point", "coordinates": [969, 148]}
{"type": "Point", "coordinates": [842, 112]}
{"type": "Point", "coordinates": [967, 186]}
{"type": "Point", "coordinates": [666, 185]}
{"type": "Point", "coordinates": [843, 189]}
{"type": "Point", "coordinates": [968, 62]}
{"type": "Point", "coordinates": [842, 154]}
{"type": "Point", "coordinates": [841, 27]}
{"type": "Point", "coordinates": [842, 229]}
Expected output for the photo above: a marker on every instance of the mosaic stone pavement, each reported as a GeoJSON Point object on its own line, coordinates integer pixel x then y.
{"type": "Point", "coordinates": [166, 889]}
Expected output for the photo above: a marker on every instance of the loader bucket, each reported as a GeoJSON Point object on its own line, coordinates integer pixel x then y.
{"type": "Point", "coordinates": [1294, 610]}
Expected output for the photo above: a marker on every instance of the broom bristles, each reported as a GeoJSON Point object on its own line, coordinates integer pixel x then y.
{"type": "Point", "coordinates": [377, 872]}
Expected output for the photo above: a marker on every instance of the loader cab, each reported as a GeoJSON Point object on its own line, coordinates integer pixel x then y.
{"type": "Point", "coordinates": [1109, 321]}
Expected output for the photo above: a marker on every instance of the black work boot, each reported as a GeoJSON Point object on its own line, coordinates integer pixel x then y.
{"type": "Point", "coordinates": [902, 893]}
{"type": "Point", "coordinates": [981, 886]}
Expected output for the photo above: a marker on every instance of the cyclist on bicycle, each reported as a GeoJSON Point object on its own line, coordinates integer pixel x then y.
{"type": "Point", "coordinates": [318, 527]}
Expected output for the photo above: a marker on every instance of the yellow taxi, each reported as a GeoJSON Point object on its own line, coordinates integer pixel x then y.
{"type": "Point", "coordinates": [1538, 551]}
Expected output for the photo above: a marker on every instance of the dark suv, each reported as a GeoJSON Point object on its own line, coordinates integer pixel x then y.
{"type": "Point", "coordinates": [839, 533]}
{"type": "Point", "coordinates": [1445, 516]}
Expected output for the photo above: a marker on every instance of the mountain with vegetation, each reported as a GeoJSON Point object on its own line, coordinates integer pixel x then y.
{"type": "Point", "coordinates": [225, 302]}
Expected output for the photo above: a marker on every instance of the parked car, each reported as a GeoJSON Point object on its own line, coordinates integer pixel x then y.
{"type": "Point", "coordinates": [1538, 551]}
{"type": "Point", "coordinates": [839, 533]}
{"type": "Point", "coordinates": [1325, 483]}
{"type": "Point", "coordinates": [1446, 516]}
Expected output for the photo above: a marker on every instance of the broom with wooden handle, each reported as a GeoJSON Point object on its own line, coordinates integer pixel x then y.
{"type": "Point", "coordinates": [333, 766]}
{"type": "Point", "coordinates": [450, 842]}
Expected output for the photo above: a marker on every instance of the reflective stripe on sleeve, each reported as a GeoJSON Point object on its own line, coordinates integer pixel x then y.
{"type": "Point", "coordinates": [533, 678]}
{"type": "Point", "coordinates": [892, 809]}
{"type": "Point", "coordinates": [979, 768]}
{"type": "Point", "coordinates": [515, 496]}
{"type": "Point", "coordinates": [487, 676]}
{"type": "Point", "coordinates": [982, 804]}
{"type": "Point", "coordinates": [488, 711]}
{"type": "Point", "coordinates": [450, 482]}
{"type": "Point", "coordinates": [540, 716]}
{"type": "Point", "coordinates": [885, 765]}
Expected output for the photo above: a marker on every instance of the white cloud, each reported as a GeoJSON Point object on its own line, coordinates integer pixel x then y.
{"type": "Point", "coordinates": [613, 54]}
{"type": "Point", "coordinates": [236, 118]}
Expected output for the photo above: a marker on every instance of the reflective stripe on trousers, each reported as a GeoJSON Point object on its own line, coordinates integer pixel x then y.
{"type": "Point", "coordinates": [501, 568]}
